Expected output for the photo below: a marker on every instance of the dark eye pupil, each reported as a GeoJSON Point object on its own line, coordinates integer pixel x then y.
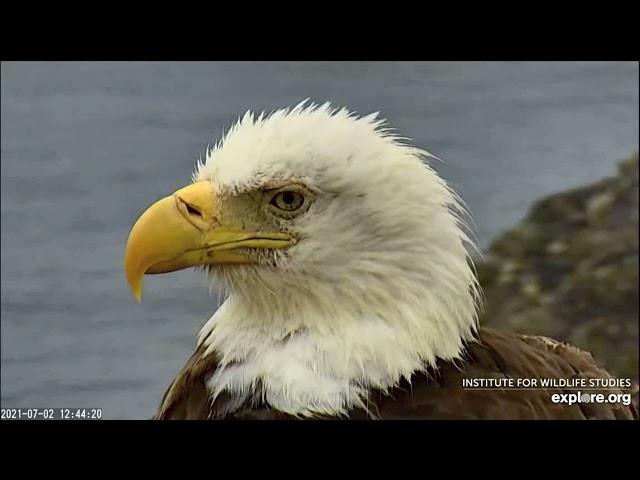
{"type": "Point", "coordinates": [288, 198]}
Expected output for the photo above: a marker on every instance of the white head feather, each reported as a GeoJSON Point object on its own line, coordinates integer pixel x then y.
{"type": "Point", "coordinates": [380, 284]}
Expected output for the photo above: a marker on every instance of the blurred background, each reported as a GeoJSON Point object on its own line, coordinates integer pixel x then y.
{"type": "Point", "coordinates": [87, 146]}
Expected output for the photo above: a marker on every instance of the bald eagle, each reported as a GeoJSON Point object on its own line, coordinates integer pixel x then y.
{"type": "Point", "coordinates": [350, 290]}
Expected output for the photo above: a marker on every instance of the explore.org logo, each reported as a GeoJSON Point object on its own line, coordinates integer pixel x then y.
{"type": "Point", "coordinates": [579, 397]}
{"type": "Point", "coordinates": [573, 390]}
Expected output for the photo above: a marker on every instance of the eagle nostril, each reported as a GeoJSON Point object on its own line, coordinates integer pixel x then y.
{"type": "Point", "coordinates": [193, 211]}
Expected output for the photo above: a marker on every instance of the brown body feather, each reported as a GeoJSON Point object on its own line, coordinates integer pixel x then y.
{"type": "Point", "coordinates": [437, 394]}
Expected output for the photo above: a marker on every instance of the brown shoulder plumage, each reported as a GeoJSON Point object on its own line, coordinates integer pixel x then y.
{"type": "Point", "coordinates": [187, 397]}
{"type": "Point", "coordinates": [438, 393]}
{"type": "Point", "coordinates": [502, 355]}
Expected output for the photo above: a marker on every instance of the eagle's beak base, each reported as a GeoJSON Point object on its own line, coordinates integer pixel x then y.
{"type": "Point", "coordinates": [185, 230]}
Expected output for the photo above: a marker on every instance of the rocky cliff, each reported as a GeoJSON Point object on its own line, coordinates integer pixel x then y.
{"type": "Point", "coordinates": [569, 271]}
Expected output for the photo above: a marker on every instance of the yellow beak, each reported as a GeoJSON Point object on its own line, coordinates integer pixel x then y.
{"type": "Point", "coordinates": [185, 230]}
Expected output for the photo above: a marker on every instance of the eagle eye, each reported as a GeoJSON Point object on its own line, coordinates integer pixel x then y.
{"type": "Point", "coordinates": [288, 200]}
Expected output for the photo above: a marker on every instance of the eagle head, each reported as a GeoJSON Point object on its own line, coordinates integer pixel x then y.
{"type": "Point", "coordinates": [313, 219]}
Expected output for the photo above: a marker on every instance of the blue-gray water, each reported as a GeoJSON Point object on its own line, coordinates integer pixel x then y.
{"type": "Point", "coordinates": [87, 146]}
